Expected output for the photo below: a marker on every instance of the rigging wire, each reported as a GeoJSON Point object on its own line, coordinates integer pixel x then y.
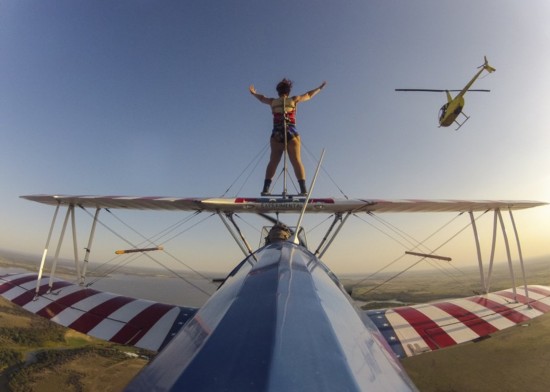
{"type": "Point", "coordinates": [247, 223]}
{"type": "Point", "coordinates": [414, 264]}
{"type": "Point", "coordinates": [175, 273]}
{"type": "Point", "coordinates": [146, 240]}
{"type": "Point", "coordinates": [312, 156]}
{"type": "Point", "coordinates": [253, 162]}
{"type": "Point", "coordinates": [157, 237]}
{"type": "Point", "coordinates": [320, 223]}
{"type": "Point", "coordinates": [174, 236]}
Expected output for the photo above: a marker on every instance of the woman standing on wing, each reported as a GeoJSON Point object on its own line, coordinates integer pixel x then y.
{"type": "Point", "coordinates": [284, 109]}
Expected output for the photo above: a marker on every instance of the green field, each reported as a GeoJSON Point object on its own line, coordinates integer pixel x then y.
{"type": "Point", "coordinates": [38, 355]}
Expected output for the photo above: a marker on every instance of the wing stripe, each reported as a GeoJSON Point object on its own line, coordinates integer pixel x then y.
{"type": "Point", "coordinates": [436, 338]}
{"type": "Point", "coordinates": [136, 328]}
{"type": "Point", "coordinates": [12, 283]}
{"type": "Point", "coordinates": [454, 328]}
{"type": "Point", "coordinates": [162, 327]}
{"type": "Point", "coordinates": [495, 319]}
{"type": "Point", "coordinates": [407, 335]}
{"type": "Point", "coordinates": [510, 314]}
{"type": "Point", "coordinates": [538, 305]}
{"type": "Point", "coordinates": [466, 318]}
{"type": "Point", "coordinates": [29, 295]}
{"type": "Point", "coordinates": [56, 307]}
{"type": "Point", "coordinates": [540, 290]}
{"type": "Point", "coordinates": [96, 315]}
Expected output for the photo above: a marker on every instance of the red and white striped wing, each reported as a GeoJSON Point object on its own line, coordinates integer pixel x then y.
{"type": "Point", "coordinates": [107, 316]}
{"type": "Point", "coordinates": [411, 330]}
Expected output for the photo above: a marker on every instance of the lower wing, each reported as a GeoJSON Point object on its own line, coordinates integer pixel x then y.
{"type": "Point", "coordinates": [411, 330]}
{"type": "Point", "coordinates": [107, 316]}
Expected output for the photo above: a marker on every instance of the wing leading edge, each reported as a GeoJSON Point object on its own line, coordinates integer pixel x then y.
{"type": "Point", "coordinates": [281, 205]}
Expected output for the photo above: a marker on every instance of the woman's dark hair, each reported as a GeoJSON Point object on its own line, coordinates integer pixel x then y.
{"type": "Point", "coordinates": [284, 87]}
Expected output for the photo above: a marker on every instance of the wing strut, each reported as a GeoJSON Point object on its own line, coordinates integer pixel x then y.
{"type": "Point", "coordinates": [507, 245]}
{"type": "Point", "coordinates": [319, 253]}
{"type": "Point", "coordinates": [41, 269]}
{"type": "Point", "coordinates": [478, 249]}
{"type": "Point", "coordinates": [486, 281]}
{"type": "Point", "coordinates": [60, 242]}
{"type": "Point", "coordinates": [520, 254]}
{"type": "Point", "coordinates": [89, 247]}
{"type": "Point", "coordinates": [241, 242]}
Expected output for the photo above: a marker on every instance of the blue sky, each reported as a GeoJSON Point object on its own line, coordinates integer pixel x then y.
{"type": "Point", "coordinates": [151, 98]}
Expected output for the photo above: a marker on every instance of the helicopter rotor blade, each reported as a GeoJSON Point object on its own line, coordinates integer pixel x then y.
{"type": "Point", "coordinates": [436, 91]}
{"type": "Point", "coordinates": [422, 89]}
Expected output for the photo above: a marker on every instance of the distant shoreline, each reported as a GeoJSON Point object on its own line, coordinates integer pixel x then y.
{"type": "Point", "coordinates": [31, 262]}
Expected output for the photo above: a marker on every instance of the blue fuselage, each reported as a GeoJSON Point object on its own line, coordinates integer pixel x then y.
{"type": "Point", "coordinates": [280, 322]}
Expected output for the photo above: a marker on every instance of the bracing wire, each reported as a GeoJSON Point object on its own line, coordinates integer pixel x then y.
{"type": "Point", "coordinates": [157, 237]}
{"type": "Point", "coordinates": [254, 162]}
{"type": "Point", "coordinates": [175, 273]}
{"type": "Point", "coordinates": [173, 237]}
{"type": "Point", "coordinates": [407, 237]}
{"type": "Point", "coordinates": [414, 264]}
{"type": "Point", "coordinates": [326, 172]}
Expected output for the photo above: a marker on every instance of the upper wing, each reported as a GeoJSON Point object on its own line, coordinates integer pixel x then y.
{"type": "Point", "coordinates": [107, 316]}
{"type": "Point", "coordinates": [411, 330]}
{"type": "Point", "coordinates": [281, 205]}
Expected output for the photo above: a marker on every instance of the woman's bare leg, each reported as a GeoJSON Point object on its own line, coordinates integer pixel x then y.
{"type": "Point", "coordinates": [295, 158]}
{"type": "Point", "coordinates": [277, 150]}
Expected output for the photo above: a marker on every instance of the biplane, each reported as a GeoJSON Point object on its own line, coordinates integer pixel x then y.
{"type": "Point", "coordinates": [280, 320]}
{"type": "Point", "coordinates": [450, 111]}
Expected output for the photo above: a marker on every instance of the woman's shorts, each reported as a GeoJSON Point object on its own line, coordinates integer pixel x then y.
{"type": "Point", "coordinates": [278, 133]}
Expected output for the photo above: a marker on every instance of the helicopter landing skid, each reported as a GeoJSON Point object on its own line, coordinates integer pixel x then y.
{"type": "Point", "coordinates": [466, 118]}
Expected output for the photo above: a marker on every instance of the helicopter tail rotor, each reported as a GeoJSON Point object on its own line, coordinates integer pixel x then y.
{"type": "Point", "coordinates": [486, 66]}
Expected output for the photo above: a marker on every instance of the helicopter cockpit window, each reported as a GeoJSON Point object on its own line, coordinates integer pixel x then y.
{"type": "Point", "coordinates": [442, 111]}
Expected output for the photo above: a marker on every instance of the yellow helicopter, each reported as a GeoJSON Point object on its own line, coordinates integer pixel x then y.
{"type": "Point", "coordinates": [449, 112]}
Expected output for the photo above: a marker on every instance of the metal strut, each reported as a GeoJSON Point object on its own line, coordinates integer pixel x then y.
{"type": "Point", "coordinates": [507, 245]}
{"type": "Point", "coordinates": [487, 282]}
{"type": "Point", "coordinates": [335, 234]}
{"type": "Point", "coordinates": [490, 273]}
{"type": "Point", "coordinates": [41, 269]}
{"type": "Point", "coordinates": [478, 249]}
{"type": "Point", "coordinates": [520, 258]}
{"type": "Point", "coordinates": [61, 237]}
{"type": "Point", "coordinates": [75, 246]}
{"type": "Point", "coordinates": [337, 217]}
{"type": "Point", "coordinates": [89, 247]}
{"type": "Point", "coordinates": [241, 241]}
